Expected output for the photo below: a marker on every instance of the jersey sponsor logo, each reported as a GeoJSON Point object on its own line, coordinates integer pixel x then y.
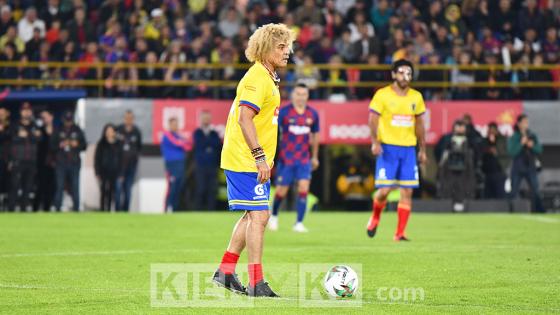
{"type": "Point", "coordinates": [259, 192]}
{"type": "Point", "coordinates": [402, 121]}
{"type": "Point", "coordinates": [382, 174]}
{"type": "Point", "coordinates": [299, 130]}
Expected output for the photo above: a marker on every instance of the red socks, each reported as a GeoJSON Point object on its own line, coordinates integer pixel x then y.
{"type": "Point", "coordinates": [378, 207]}
{"type": "Point", "coordinates": [228, 267]}
{"type": "Point", "coordinates": [228, 262]}
{"type": "Point", "coordinates": [255, 274]}
{"type": "Point", "coordinates": [403, 211]}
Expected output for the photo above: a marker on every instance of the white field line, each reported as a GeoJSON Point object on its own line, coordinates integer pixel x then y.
{"type": "Point", "coordinates": [540, 219]}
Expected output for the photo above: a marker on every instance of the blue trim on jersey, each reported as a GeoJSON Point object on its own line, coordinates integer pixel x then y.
{"type": "Point", "coordinates": [374, 111]}
{"type": "Point", "coordinates": [249, 104]}
{"type": "Point", "coordinates": [245, 193]}
{"type": "Point", "coordinates": [396, 167]}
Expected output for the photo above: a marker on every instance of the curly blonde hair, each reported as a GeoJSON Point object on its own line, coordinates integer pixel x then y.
{"type": "Point", "coordinates": [265, 38]}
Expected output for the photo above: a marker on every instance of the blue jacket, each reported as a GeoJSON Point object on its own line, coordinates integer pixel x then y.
{"type": "Point", "coordinates": [173, 147]}
{"type": "Point", "coordinates": [207, 148]}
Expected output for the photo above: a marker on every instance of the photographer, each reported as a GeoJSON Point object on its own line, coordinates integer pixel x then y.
{"type": "Point", "coordinates": [25, 136]}
{"type": "Point", "coordinates": [67, 143]}
{"type": "Point", "coordinates": [524, 147]}
{"type": "Point", "coordinates": [495, 161]}
{"type": "Point", "coordinates": [456, 171]}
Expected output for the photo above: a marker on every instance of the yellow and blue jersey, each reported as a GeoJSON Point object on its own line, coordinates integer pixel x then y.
{"type": "Point", "coordinates": [258, 91]}
{"type": "Point", "coordinates": [397, 115]}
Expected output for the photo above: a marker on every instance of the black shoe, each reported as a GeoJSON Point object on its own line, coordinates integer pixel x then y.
{"type": "Point", "coordinates": [401, 238]}
{"type": "Point", "coordinates": [229, 281]}
{"type": "Point", "coordinates": [261, 289]}
{"type": "Point", "coordinates": [371, 233]}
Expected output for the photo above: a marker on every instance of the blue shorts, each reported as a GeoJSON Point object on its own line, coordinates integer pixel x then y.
{"type": "Point", "coordinates": [286, 174]}
{"type": "Point", "coordinates": [396, 167]}
{"type": "Point", "coordinates": [245, 193]}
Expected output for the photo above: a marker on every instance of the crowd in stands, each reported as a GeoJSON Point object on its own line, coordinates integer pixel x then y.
{"type": "Point", "coordinates": [469, 32]}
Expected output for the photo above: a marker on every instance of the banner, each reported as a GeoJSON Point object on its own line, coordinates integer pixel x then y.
{"type": "Point", "coordinates": [187, 113]}
{"type": "Point", "coordinates": [343, 123]}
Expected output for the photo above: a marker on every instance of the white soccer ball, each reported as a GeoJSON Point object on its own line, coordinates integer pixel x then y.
{"type": "Point", "coordinates": [341, 281]}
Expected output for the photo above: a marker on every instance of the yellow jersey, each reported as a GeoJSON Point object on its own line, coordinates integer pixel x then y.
{"type": "Point", "coordinates": [258, 91]}
{"type": "Point", "coordinates": [398, 114]}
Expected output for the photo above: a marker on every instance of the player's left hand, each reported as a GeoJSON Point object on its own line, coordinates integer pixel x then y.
{"type": "Point", "coordinates": [422, 158]}
{"type": "Point", "coordinates": [314, 163]}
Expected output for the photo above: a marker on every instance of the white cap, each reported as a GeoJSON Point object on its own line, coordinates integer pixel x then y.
{"type": "Point", "coordinates": [157, 12]}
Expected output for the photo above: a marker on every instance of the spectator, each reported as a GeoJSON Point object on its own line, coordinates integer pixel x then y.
{"type": "Point", "coordinates": [11, 38]}
{"type": "Point", "coordinates": [432, 75]}
{"type": "Point", "coordinates": [366, 45]}
{"type": "Point", "coordinates": [107, 165]}
{"type": "Point", "coordinates": [6, 19]}
{"type": "Point", "coordinates": [530, 17]}
{"type": "Point", "coordinates": [538, 75]}
{"type": "Point", "coordinates": [462, 76]}
{"type": "Point", "coordinates": [150, 73]}
{"type": "Point", "coordinates": [81, 30]}
{"type": "Point", "coordinates": [380, 15]}
{"type": "Point", "coordinates": [504, 19]}
{"type": "Point", "coordinates": [24, 136]}
{"type": "Point", "coordinates": [344, 46]}
{"type": "Point", "coordinates": [52, 12]}
{"type": "Point", "coordinates": [130, 138]}
{"type": "Point", "coordinates": [67, 143]}
{"type": "Point", "coordinates": [230, 24]}
{"type": "Point", "coordinates": [308, 11]}
{"type": "Point", "coordinates": [27, 24]}
{"type": "Point", "coordinates": [4, 155]}
{"type": "Point", "coordinates": [173, 149]}
{"type": "Point", "coordinates": [494, 163]}
{"type": "Point", "coordinates": [207, 148]}
{"type": "Point", "coordinates": [360, 28]}
{"type": "Point", "coordinates": [371, 75]}
{"type": "Point", "coordinates": [33, 45]}
{"type": "Point", "coordinates": [45, 165]}
{"type": "Point", "coordinates": [524, 148]}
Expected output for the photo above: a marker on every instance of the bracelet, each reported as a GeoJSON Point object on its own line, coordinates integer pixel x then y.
{"type": "Point", "coordinates": [260, 159]}
{"type": "Point", "coordinates": [257, 152]}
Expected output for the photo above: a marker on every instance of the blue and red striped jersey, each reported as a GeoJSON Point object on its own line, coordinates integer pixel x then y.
{"type": "Point", "coordinates": [294, 134]}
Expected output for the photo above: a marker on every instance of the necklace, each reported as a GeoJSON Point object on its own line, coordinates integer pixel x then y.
{"type": "Point", "coordinates": [273, 75]}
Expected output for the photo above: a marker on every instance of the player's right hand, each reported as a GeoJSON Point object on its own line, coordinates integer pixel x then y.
{"type": "Point", "coordinates": [263, 173]}
{"type": "Point", "coordinates": [376, 148]}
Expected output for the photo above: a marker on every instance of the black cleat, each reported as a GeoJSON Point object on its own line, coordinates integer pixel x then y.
{"type": "Point", "coordinates": [371, 233]}
{"type": "Point", "coordinates": [401, 238]}
{"type": "Point", "coordinates": [229, 281]}
{"type": "Point", "coordinates": [261, 289]}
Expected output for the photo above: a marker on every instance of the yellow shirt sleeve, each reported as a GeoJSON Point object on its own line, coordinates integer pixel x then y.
{"type": "Point", "coordinates": [376, 104]}
{"type": "Point", "coordinates": [420, 106]}
{"type": "Point", "coordinates": [252, 93]}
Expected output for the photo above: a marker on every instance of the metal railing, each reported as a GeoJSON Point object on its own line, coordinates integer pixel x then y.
{"type": "Point", "coordinates": [104, 72]}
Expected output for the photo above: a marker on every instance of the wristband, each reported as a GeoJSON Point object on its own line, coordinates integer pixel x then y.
{"type": "Point", "coordinates": [260, 159]}
{"type": "Point", "coordinates": [257, 152]}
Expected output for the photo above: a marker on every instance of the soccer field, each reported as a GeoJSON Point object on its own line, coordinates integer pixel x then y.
{"type": "Point", "coordinates": [100, 263]}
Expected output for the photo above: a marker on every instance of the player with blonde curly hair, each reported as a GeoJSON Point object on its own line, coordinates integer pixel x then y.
{"type": "Point", "coordinates": [248, 154]}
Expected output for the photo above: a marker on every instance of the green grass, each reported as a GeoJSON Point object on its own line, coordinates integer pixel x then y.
{"type": "Point", "coordinates": [100, 263]}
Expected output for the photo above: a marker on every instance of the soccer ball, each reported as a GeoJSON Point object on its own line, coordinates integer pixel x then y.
{"type": "Point", "coordinates": [341, 281]}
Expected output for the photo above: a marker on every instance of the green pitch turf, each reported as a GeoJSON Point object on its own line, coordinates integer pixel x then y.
{"type": "Point", "coordinates": [100, 263]}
